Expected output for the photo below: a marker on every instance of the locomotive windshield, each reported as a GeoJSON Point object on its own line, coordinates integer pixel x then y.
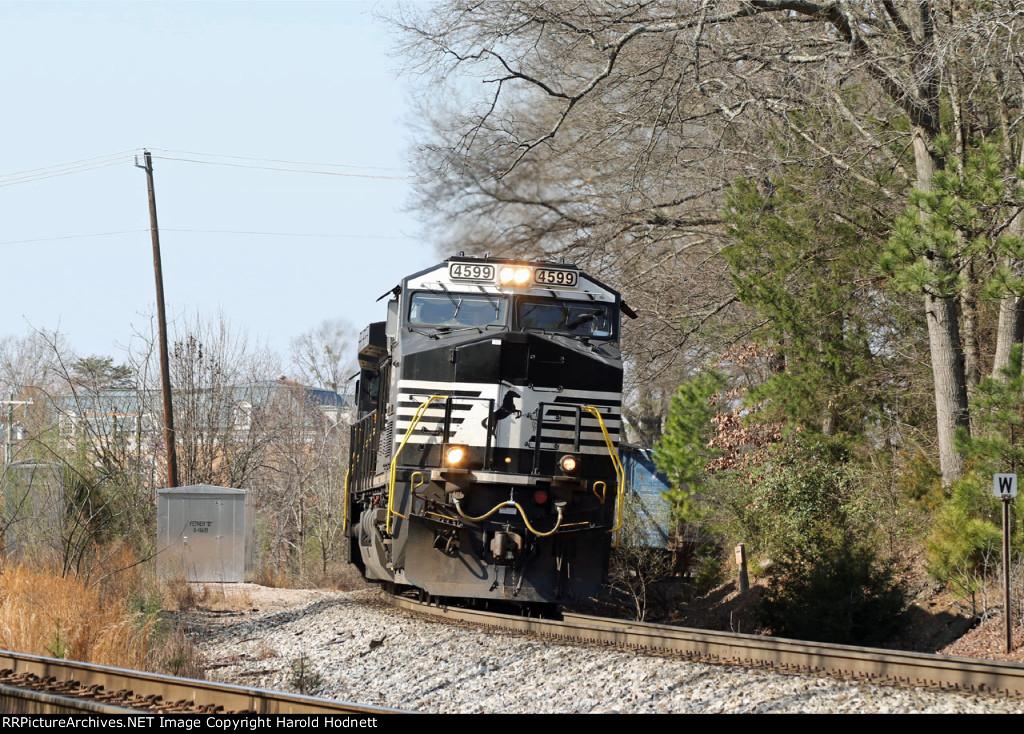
{"type": "Point", "coordinates": [457, 310]}
{"type": "Point", "coordinates": [575, 318]}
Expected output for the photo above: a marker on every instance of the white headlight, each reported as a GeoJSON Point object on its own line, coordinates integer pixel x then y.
{"type": "Point", "coordinates": [454, 455]}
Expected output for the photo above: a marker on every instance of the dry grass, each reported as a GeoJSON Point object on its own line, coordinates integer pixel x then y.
{"type": "Point", "coordinates": [42, 613]}
{"type": "Point", "coordinates": [220, 596]}
{"type": "Point", "coordinates": [177, 655]}
{"type": "Point", "coordinates": [264, 651]}
{"type": "Point", "coordinates": [115, 617]}
{"type": "Point", "coordinates": [276, 577]}
{"type": "Point", "coordinates": [180, 595]}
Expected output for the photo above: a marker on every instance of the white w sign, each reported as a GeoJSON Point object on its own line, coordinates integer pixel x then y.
{"type": "Point", "coordinates": [1004, 485]}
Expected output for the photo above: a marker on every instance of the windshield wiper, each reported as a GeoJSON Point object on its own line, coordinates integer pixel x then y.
{"type": "Point", "coordinates": [492, 301]}
{"type": "Point", "coordinates": [423, 333]}
{"type": "Point", "coordinates": [582, 319]}
{"type": "Point", "coordinates": [453, 329]}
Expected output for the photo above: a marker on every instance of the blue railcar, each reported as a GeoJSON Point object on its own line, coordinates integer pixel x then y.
{"type": "Point", "coordinates": [647, 486]}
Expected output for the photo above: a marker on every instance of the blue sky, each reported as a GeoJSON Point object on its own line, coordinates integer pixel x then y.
{"type": "Point", "coordinates": [309, 82]}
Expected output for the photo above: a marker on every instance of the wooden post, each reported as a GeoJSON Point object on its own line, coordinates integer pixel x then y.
{"type": "Point", "coordinates": [741, 564]}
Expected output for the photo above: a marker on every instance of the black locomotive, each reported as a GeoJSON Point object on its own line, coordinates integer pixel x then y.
{"type": "Point", "coordinates": [483, 459]}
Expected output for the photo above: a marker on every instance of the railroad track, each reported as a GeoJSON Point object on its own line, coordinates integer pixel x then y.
{"type": "Point", "coordinates": [792, 656]}
{"type": "Point", "coordinates": [30, 684]}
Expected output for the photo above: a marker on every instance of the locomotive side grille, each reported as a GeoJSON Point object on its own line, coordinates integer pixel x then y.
{"type": "Point", "coordinates": [430, 429]}
{"type": "Point", "coordinates": [558, 429]}
{"type": "Point", "coordinates": [467, 411]}
{"type": "Point", "coordinates": [386, 441]}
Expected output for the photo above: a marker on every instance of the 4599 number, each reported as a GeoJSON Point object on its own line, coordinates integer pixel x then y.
{"type": "Point", "coordinates": [555, 277]}
{"type": "Point", "coordinates": [469, 271]}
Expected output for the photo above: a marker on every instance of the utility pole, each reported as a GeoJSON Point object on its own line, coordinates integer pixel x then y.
{"type": "Point", "coordinates": [165, 374]}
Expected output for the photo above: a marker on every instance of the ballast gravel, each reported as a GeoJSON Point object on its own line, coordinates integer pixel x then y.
{"type": "Point", "coordinates": [353, 647]}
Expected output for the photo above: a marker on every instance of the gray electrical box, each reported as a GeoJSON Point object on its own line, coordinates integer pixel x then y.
{"type": "Point", "coordinates": [205, 533]}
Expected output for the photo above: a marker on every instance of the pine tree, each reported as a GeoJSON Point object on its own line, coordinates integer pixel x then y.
{"type": "Point", "coordinates": [807, 270]}
{"type": "Point", "coordinates": [684, 450]}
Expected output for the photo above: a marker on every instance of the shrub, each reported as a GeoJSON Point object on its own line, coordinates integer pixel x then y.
{"type": "Point", "coordinates": [963, 548]}
{"type": "Point", "coordinates": [836, 594]}
{"type": "Point", "coordinates": [303, 678]}
{"type": "Point", "coordinates": [636, 568]}
{"type": "Point", "coordinates": [808, 497]}
{"type": "Point", "coordinates": [826, 581]}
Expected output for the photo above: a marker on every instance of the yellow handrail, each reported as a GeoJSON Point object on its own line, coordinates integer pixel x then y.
{"type": "Point", "coordinates": [414, 486]}
{"type": "Point", "coordinates": [443, 517]}
{"type": "Point", "coordinates": [394, 460]}
{"type": "Point", "coordinates": [344, 517]}
{"type": "Point", "coordinates": [616, 463]}
{"type": "Point", "coordinates": [620, 473]}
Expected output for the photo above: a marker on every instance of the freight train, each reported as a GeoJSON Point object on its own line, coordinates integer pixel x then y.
{"type": "Point", "coordinates": [484, 459]}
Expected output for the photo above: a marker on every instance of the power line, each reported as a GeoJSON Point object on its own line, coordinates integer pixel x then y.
{"type": "Point", "coordinates": [12, 181]}
{"type": "Point", "coordinates": [288, 234]}
{"type": "Point", "coordinates": [323, 235]}
{"type": "Point", "coordinates": [290, 170]}
{"type": "Point", "coordinates": [275, 160]}
{"type": "Point", "coordinates": [70, 163]}
{"type": "Point", "coordinates": [73, 237]}
{"type": "Point", "coordinates": [112, 159]}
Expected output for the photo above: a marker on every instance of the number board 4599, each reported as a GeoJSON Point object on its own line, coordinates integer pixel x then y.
{"type": "Point", "coordinates": [470, 271]}
{"type": "Point", "coordinates": [545, 276]}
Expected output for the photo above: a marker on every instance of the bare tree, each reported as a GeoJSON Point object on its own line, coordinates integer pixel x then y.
{"type": "Point", "coordinates": [92, 437]}
{"type": "Point", "coordinates": [31, 372]}
{"type": "Point", "coordinates": [304, 482]}
{"type": "Point", "coordinates": [607, 132]}
{"type": "Point", "coordinates": [638, 566]}
{"type": "Point", "coordinates": [220, 384]}
{"type": "Point", "coordinates": [324, 356]}
{"type": "Point", "coordinates": [83, 479]}
{"type": "Point", "coordinates": [239, 423]}
{"type": "Point", "coordinates": [28, 362]}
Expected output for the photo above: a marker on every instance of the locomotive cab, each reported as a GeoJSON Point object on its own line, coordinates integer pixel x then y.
{"type": "Point", "coordinates": [484, 459]}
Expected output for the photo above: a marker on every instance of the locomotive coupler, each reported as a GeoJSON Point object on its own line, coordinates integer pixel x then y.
{"type": "Point", "coordinates": [447, 542]}
{"type": "Point", "coordinates": [505, 547]}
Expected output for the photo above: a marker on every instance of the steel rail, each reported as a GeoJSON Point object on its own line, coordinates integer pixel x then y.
{"type": "Point", "coordinates": [70, 685]}
{"type": "Point", "coordinates": [28, 701]}
{"type": "Point", "coordinates": [792, 656]}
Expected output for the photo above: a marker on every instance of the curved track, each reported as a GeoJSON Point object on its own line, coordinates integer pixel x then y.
{"type": "Point", "coordinates": [36, 685]}
{"type": "Point", "coordinates": [32, 684]}
{"type": "Point", "coordinates": [843, 661]}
